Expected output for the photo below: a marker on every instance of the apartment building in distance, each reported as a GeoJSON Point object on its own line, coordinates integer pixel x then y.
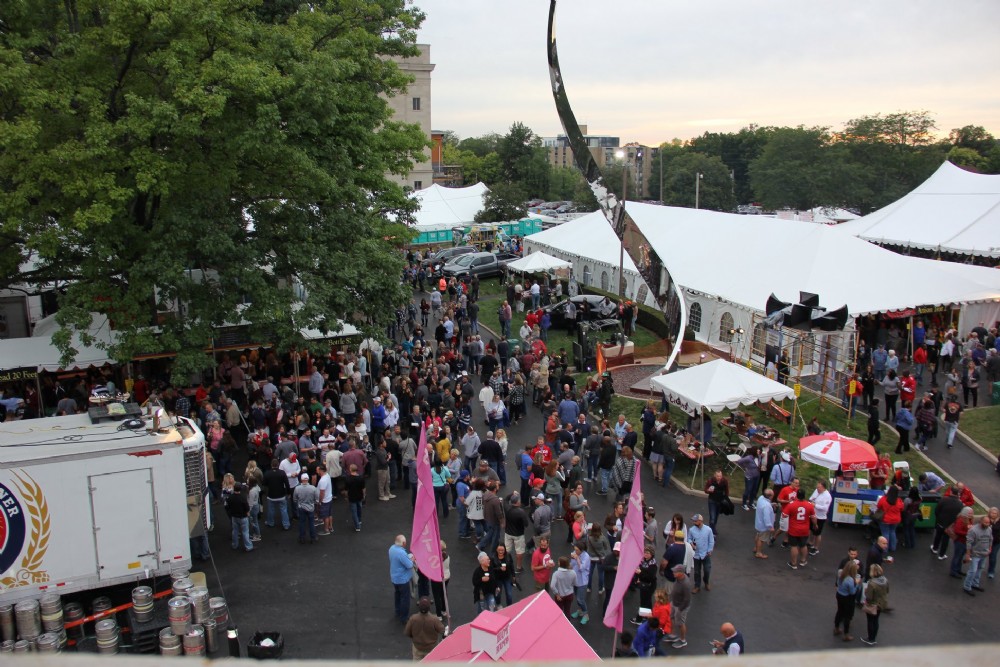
{"type": "Point", "coordinates": [605, 150]}
{"type": "Point", "coordinates": [414, 106]}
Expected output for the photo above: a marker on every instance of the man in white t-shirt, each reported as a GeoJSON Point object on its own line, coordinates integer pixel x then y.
{"type": "Point", "coordinates": [325, 487]}
{"type": "Point", "coordinates": [334, 467]}
{"type": "Point", "coordinates": [292, 469]}
{"type": "Point", "coordinates": [822, 500]}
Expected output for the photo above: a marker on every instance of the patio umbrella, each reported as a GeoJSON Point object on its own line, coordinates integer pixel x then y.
{"type": "Point", "coordinates": [832, 450]}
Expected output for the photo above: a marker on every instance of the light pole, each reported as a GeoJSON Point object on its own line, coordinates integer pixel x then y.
{"type": "Point", "coordinates": [697, 188]}
{"type": "Point", "coordinates": [620, 154]}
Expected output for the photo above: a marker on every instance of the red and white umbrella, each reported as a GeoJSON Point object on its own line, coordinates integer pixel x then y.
{"type": "Point", "coordinates": [832, 450]}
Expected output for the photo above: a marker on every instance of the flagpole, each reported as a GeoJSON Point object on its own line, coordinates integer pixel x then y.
{"type": "Point", "coordinates": [614, 646]}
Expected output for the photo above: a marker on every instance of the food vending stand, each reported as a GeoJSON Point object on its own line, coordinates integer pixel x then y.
{"type": "Point", "coordinates": [853, 500]}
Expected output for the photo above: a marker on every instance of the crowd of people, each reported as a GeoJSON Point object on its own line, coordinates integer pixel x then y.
{"type": "Point", "coordinates": [353, 427]}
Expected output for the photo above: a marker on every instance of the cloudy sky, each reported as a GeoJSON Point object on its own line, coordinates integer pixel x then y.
{"type": "Point", "coordinates": [653, 70]}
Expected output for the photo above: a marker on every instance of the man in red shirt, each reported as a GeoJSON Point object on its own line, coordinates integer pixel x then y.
{"type": "Point", "coordinates": [541, 448]}
{"type": "Point", "coordinates": [542, 564]}
{"type": "Point", "coordinates": [801, 518]}
{"type": "Point", "coordinates": [964, 494]}
{"type": "Point", "coordinates": [919, 362]}
{"type": "Point", "coordinates": [784, 497]}
{"type": "Point", "coordinates": [907, 388]}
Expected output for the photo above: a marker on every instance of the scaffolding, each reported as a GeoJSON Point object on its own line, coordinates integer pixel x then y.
{"type": "Point", "coordinates": [819, 361]}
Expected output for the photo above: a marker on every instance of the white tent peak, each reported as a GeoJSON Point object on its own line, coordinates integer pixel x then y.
{"type": "Point", "coordinates": [538, 262]}
{"type": "Point", "coordinates": [449, 207]}
{"type": "Point", "coordinates": [952, 211]}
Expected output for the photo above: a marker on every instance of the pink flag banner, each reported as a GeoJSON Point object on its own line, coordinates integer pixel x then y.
{"type": "Point", "coordinates": [425, 541]}
{"type": "Point", "coordinates": [630, 556]}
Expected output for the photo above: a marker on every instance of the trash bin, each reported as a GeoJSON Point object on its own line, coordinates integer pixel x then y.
{"type": "Point", "coordinates": [261, 649]}
{"type": "Point", "coordinates": [928, 510]}
{"type": "Point", "coordinates": [996, 393]}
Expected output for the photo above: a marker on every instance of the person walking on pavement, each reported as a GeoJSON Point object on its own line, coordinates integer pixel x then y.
{"type": "Point", "coordinates": [400, 573]}
{"type": "Point", "coordinates": [276, 483]}
{"type": "Point", "coordinates": [239, 514]}
{"type": "Point", "coordinates": [847, 589]}
{"type": "Point", "coordinates": [945, 514]}
{"type": "Point", "coordinates": [876, 600]}
{"type": "Point", "coordinates": [680, 603]}
{"type": "Point", "coordinates": [702, 540]}
{"type": "Point", "coordinates": [305, 496]}
{"type": "Point", "coordinates": [424, 629]}
{"type": "Point", "coordinates": [979, 543]}
{"type": "Point", "coordinates": [951, 413]}
{"type": "Point", "coordinates": [763, 523]}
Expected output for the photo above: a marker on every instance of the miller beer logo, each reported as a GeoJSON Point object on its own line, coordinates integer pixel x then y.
{"type": "Point", "coordinates": [24, 517]}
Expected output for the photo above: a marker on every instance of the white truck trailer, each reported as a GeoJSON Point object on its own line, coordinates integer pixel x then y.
{"type": "Point", "coordinates": [87, 505]}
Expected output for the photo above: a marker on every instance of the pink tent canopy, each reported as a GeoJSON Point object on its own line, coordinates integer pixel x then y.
{"type": "Point", "coordinates": [538, 631]}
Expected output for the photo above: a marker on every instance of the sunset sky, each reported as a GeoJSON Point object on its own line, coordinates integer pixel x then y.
{"type": "Point", "coordinates": [653, 70]}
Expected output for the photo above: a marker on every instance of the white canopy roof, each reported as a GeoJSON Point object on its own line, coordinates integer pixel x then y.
{"type": "Point", "coordinates": [742, 259]}
{"type": "Point", "coordinates": [953, 211]}
{"type": "Point", "coordinates": [718, 385]}
{"type": "Point", "coordinates": [538, 262]}
{"type": "Point", "coordinates": [449, 207]}
{"type": "Point", "coordinates": [39, 353]}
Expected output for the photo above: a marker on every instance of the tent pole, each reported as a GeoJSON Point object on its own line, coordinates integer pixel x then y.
{"type": "Point", "coordinates": [614, 646]}
{"type": "Point", "coordinates": [38, 388]}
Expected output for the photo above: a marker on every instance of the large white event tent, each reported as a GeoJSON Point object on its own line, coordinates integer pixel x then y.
{"type": "Point", "coordinates": [718, 385]}
{"type": "Point", "coordinates": [446, 208]}
{"type": "Point", "coordinates": [953, 211]}
{"type": "Point", "coordinates": [729, 264]}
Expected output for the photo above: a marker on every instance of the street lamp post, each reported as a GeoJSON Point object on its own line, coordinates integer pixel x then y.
{"type": "Point", "coordinates": [621, 254]}
{"type": "Point", "coordinates": [697, 188]}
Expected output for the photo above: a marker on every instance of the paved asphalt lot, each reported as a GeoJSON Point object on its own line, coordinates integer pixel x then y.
{"type": "Point", "coordinates": [334, 599]}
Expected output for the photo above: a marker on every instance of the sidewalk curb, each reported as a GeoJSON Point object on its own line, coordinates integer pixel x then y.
{"type": "Point", "coordinates": [937, 465]}
{"type": "Point", "coordinates": [976, 447]}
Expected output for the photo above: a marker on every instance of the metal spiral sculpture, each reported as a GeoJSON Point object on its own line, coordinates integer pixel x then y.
{"type": "Point", "coordinates": [651, 268]}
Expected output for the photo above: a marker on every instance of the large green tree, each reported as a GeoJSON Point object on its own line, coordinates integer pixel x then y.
{"type": "Point", "coordinates": [504, 202]}
{"type": "Point", "coordinates": [792, 170]}
{"type": "Point", "coordinates": [736, 150]}
{"type": "Point", "coordinates": [216, 154]}
{"type": "Point", "coordinates": [523, 160]}
{"type": "Point", "coordinates": [898, 153]}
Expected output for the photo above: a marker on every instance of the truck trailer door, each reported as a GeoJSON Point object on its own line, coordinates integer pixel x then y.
{"type": "Point", "coordinates": [124, 515]}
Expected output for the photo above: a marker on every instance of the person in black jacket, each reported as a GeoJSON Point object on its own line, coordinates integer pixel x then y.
{"type": "Point", "coordinates": [239, 513]}
{"type": "Point", "coordinates": [276, 484]}
{"type": "Point", "coordinates": [606, 462]}
{"type": "Point", "coordinates": [947, 511]}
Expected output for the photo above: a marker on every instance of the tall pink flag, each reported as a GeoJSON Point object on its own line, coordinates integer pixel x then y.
{"type": "Point", "coordinates": [630, 556]}
{"type": "Point", "coordinates": [425, 540]}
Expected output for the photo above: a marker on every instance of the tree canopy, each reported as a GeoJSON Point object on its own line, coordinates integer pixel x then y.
{"type": "Point", "coordinates": [229, 157]}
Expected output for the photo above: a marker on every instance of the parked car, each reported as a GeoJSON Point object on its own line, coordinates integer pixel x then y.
{"type": "Point", "coordinates": [436, 262]}
{"type": "Point", "coordinates": [482, 264]}
{"type": "Point", "coordinates": [589, 307]}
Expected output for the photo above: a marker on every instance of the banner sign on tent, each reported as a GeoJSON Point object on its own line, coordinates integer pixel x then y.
{"type": "Point", "coordinates": [18, 374]}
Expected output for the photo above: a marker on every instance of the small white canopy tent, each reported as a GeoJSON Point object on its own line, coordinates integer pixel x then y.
{"type": "Point", "coordinates": [40, 353]}
{"type": "Point", "coordinates": [718, 385]}
{"type": "Point", "coordinates": [538, 262]}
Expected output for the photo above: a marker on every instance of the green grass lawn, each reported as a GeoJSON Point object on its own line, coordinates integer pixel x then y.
{"type": "Point", "coordinates": [983, 426]}
{"type": "Point", "coordinates": [492, 294]}
{"type": "Point", "coordinates": [831, 418]}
